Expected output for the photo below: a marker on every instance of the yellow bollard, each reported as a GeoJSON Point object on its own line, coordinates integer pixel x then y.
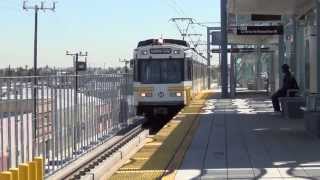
{"type": "Point", "coordinates": [24, 172]}
{"type": "Point", "coordinates": [6, 175]}
{"type": "Point", "coordinates": [33, 170]}
{"type": "Point", "coordinates": [40, 167]}
{"type": "Point", "coordinates": [15, 173]}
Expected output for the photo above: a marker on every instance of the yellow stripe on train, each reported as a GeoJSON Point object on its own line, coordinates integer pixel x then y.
{"type": "Point", "coordinates": [143, 89]}
{"type": "Point", "coordinates": [178, 88]}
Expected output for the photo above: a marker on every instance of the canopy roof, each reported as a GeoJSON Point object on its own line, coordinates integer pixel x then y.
{"type": "Point", "coordinates": [280, 7]}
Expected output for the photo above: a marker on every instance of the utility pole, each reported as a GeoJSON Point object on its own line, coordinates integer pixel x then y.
{"type": "Point", "coordinates": [36, 9]}
{"type": "Point", "coordinates": [126, 62]}
{"type": "Point", "coordinates": [76, 58]}
{"type": "Point", "coordinates": [125, 93]}
{"type": "Point", "coordinates": [76, 126]}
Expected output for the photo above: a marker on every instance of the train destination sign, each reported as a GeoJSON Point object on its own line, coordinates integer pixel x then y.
{"type": "Point", "coordinates": [160, 51]}
{"type": "Point", "coordinates": [259, 30]}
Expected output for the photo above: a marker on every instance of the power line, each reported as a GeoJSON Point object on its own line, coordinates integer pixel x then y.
{"type": "Point", "coordinates": [179, 7]}
{"type": "Point", "coordinates": [183, 30]}
{"type": "Point", "coordinates": [195, 43]}
{"type": "Point", "coordinates": [174, 8]}
{"type": "Point", "coordinates": [185, 24]}
{"type": "Point", "coordinates": [191, 25]}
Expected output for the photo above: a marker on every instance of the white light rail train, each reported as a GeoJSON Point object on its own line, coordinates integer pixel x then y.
{"type": "Point", "coordinates": [167, 75]}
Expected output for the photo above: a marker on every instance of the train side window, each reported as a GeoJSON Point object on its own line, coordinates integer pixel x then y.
{"type": "Point", "coordinates": [197, 70]}
{"type": "Point", "coordinates": [194, 70]}
{"type": "Point", "coordinates": [185, 70]}
{"type": "Point", "coordinates": [189, 70]}
{"type": "Point", "coordinates": [139, 67]}
{"type": "Point", "coordinates": [133, 65]}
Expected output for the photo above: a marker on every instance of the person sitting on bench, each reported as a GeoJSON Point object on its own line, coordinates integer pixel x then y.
{"type": "Point", "coordinates": [289, 82]}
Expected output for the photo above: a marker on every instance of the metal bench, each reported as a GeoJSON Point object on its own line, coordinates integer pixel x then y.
{"type": "Point", "coordinates": [291, 106]}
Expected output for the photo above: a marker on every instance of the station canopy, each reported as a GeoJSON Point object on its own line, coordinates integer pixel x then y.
{"type": "Point", "coordinates": [264, 7]}
{"type": "Point", "coordinates": [276, 7]}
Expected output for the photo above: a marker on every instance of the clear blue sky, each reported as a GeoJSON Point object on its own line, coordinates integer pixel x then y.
{"type": "Point", "coordinates": [107, 29]}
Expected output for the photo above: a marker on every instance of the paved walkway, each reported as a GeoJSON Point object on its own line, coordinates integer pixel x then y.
{"type": "Point", "coordinates": [241, 139]}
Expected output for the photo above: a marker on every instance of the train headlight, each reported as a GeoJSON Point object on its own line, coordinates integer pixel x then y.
{"type": "Point", "coordinates": [160, 41]}
{"type": "Point", "coordinates": [176, 52]}
{"type": "Point", "coordinates": [146, 94]}
{"type": "Point", "coordinates": [176, 94]}
{"type": "Point", "coordinates": [144, 52]}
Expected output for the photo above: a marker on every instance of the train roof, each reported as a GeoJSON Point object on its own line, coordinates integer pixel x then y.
{"type": "Point", "coordinates": [165, 41]}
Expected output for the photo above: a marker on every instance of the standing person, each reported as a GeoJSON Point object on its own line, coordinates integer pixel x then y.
{"type": "Point", "coordinates": [289, 82]}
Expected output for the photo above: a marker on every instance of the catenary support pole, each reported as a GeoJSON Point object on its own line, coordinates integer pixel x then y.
{"type": "Point", "coordinates": [36, 9]}
{"type": "Point", "coordinates": [76, 132]}
{"type": "Point", "coordinates": [224, 50]}
{"type": "Point", "coordinates": [318, 43]}
{"type": "Point", "coordinates": [232, 74]}
{"type": "Point", "coordinates": [281, 58]}
{"type": "Point", "coordinates": [209, 58]}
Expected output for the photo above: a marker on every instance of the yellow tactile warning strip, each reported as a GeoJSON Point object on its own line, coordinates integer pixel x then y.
{"type": "Point", "coordinates": [164, 152]}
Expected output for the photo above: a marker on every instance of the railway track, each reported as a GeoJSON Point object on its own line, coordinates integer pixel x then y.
{"type": "Point", "coordinates": [89, 165]}
{"type": "Point", "coordinates": [105, 161]}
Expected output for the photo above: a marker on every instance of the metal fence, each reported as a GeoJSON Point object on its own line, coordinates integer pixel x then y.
{"type": "Point", "coordinates": [69, 116]}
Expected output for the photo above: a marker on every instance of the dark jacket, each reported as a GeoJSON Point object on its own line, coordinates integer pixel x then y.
{"type": "Point", "coordinates": [289, 82]}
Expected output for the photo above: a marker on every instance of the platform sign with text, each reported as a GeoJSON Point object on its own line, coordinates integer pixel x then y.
{"type": "Point", "coordinates": [260, 30]}
{"type": "Point", "coordinates": [216, 38]}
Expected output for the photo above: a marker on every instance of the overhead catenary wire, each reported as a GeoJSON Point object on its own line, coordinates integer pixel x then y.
{"type": "Point", "coordinates": [173, 7]}
{"type": "Point", "coordinates": [179, 7]}
{"type": "Point", "coordinates": [188, 26]}
{"type": "Point", "coordinates": [173, 4]}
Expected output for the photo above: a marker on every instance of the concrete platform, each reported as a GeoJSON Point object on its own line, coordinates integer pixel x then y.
{"type": "Point", "coordinates": [163, 154]}
{"type": "Point", "coordinates": [243, 139]}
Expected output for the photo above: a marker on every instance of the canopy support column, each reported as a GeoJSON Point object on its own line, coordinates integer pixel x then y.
{"type": "Point", "coordinates": [224, 49]}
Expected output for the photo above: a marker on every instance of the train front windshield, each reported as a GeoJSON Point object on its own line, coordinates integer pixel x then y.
{"type": "Point", "coordinates": [161, 71]}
